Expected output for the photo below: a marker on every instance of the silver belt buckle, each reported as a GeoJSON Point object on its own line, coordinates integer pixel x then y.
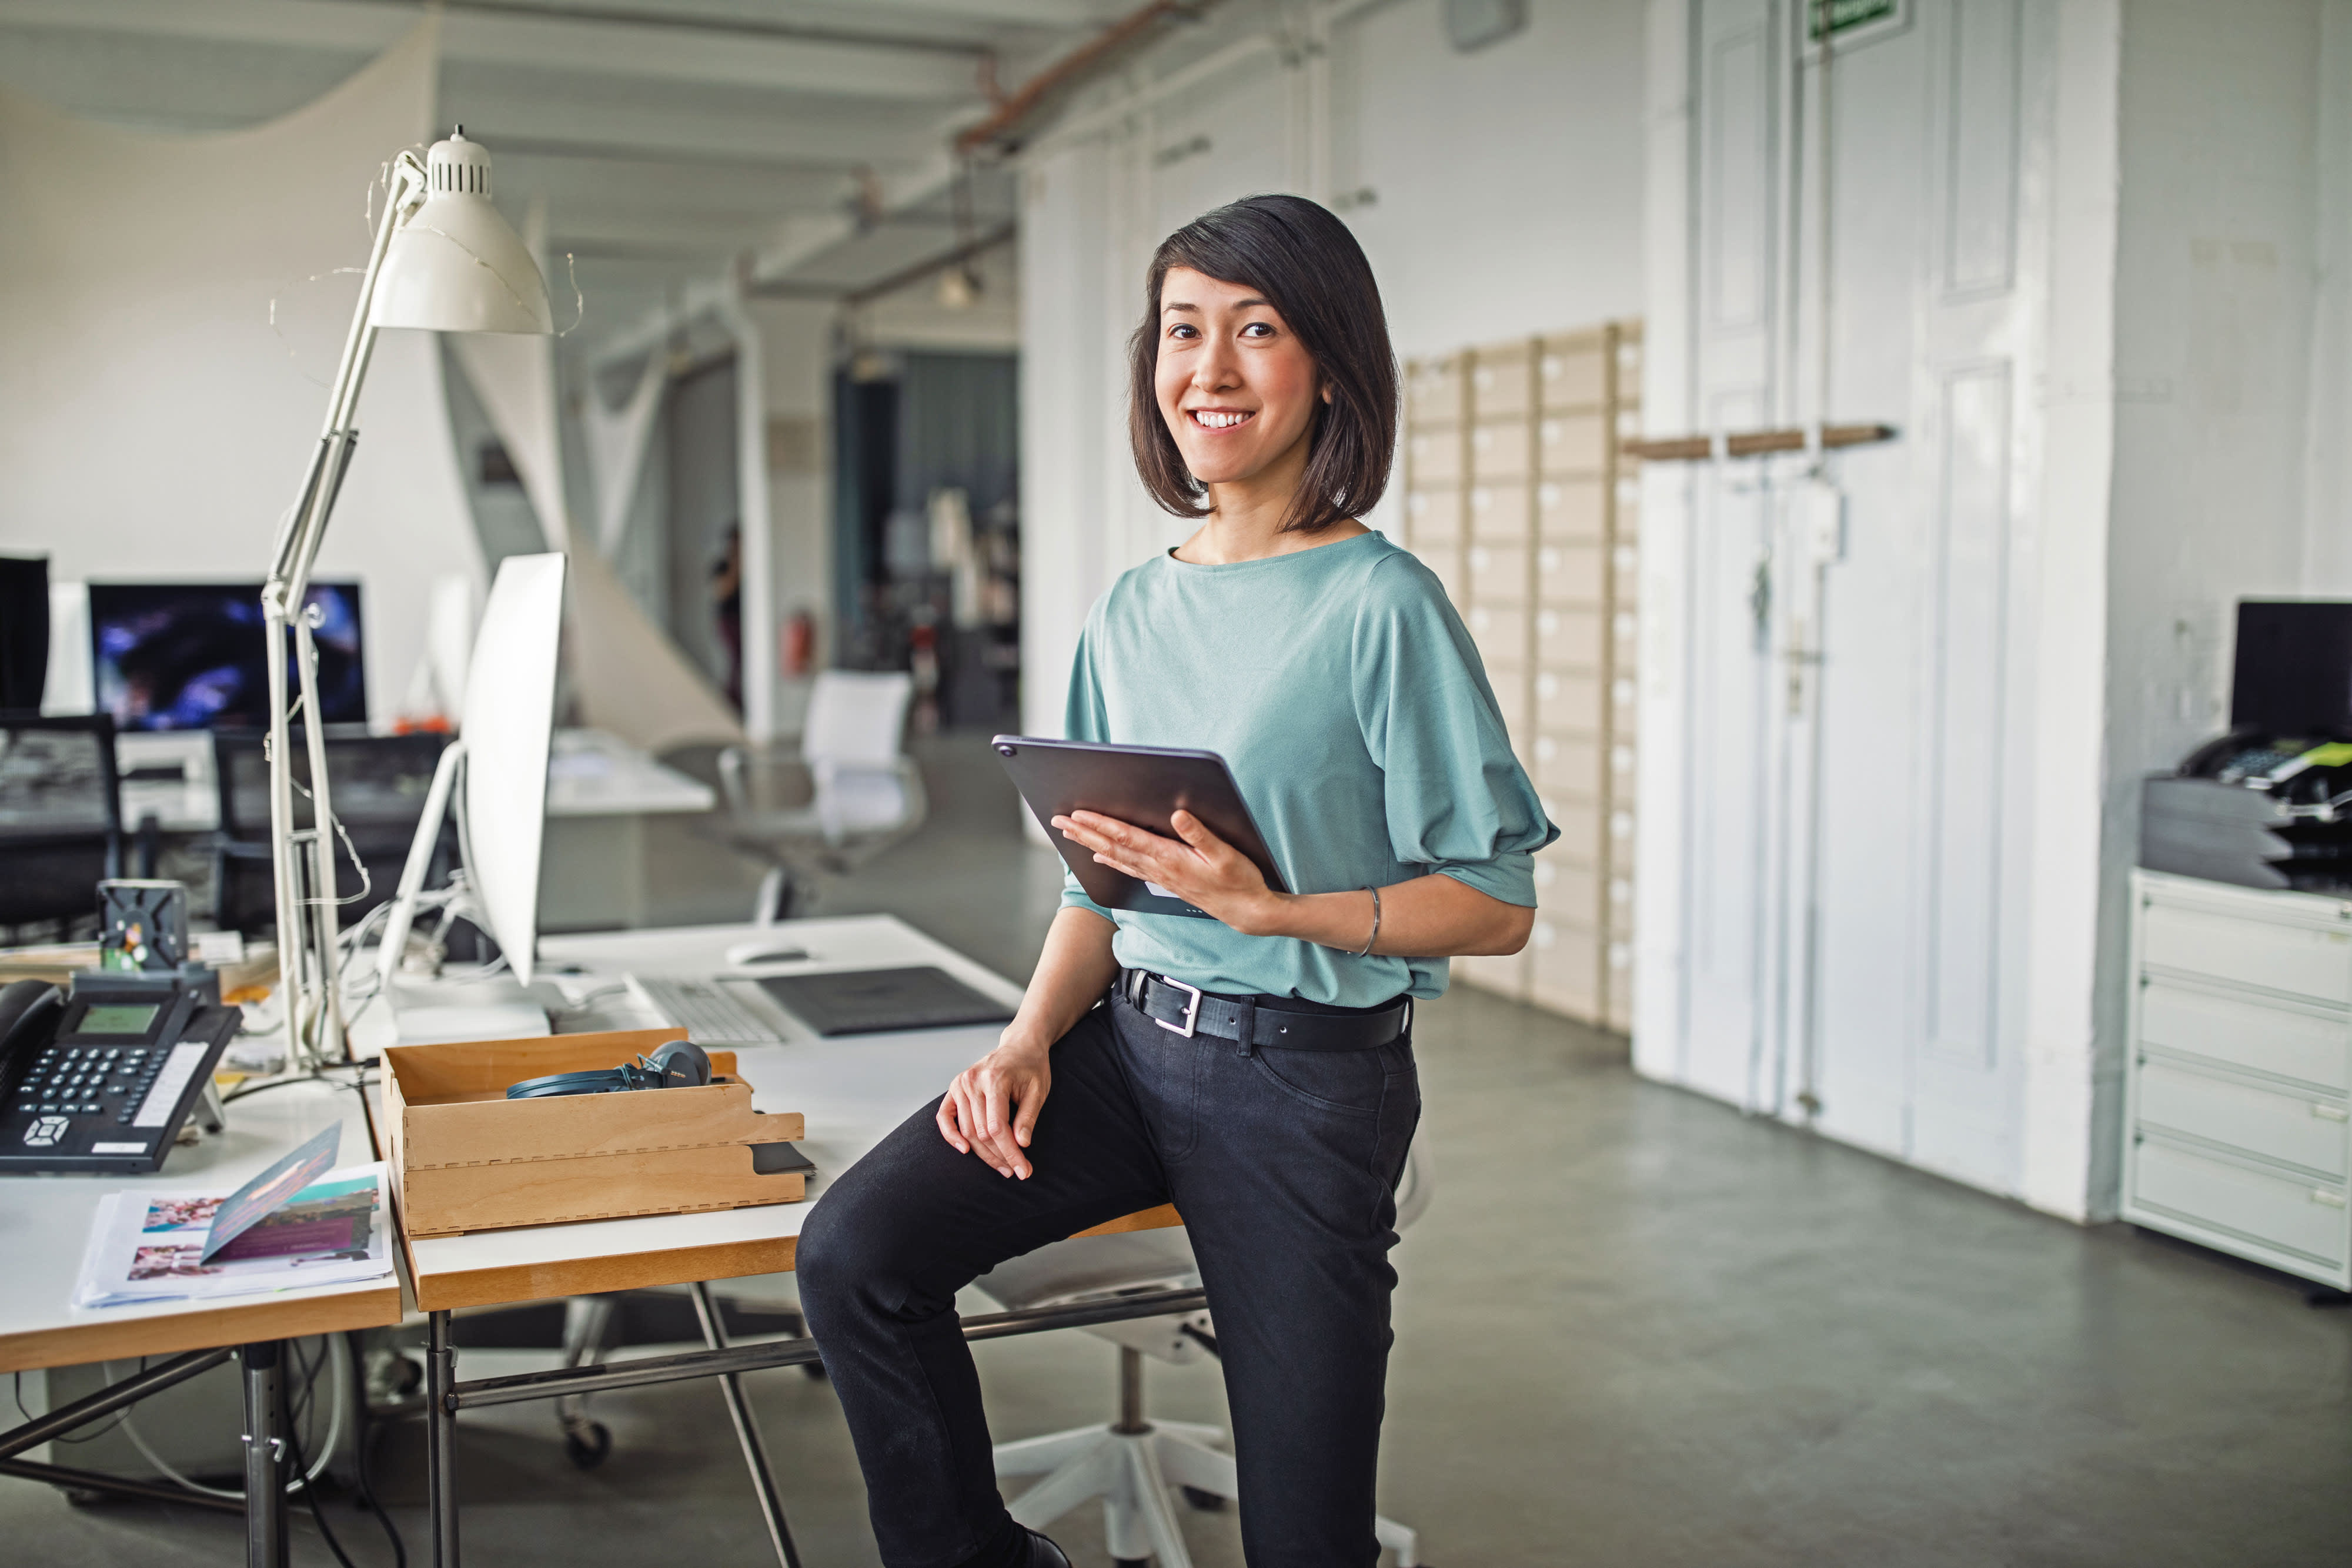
{"type": "Point", "coordinates": [1192, 1012]}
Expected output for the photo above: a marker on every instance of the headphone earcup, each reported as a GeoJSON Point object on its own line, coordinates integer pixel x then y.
{"type": "Point", "coordinates": [682, 1065]}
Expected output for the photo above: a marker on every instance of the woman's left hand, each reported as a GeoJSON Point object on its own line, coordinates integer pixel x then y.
{"type": "Point", "coordinates": [1197, 866]}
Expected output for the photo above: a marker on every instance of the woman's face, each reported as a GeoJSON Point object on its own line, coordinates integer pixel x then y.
{"type": "Point", "coordinates": [1236, 389]}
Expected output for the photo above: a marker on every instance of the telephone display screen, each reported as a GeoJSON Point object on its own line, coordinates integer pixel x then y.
{"type": "Point", "coordinates": [117, 1018]}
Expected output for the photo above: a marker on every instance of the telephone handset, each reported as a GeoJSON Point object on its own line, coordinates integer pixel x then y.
{"type": "Point", "coordinates": [100, 1077]}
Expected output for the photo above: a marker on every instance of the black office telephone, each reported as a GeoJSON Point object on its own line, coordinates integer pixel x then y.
{"type": "Point", "coordinates": [100, 1076]}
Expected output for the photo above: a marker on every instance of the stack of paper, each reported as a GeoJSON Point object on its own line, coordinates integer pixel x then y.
{"type": "Point", "coordinates": [156, 1245]}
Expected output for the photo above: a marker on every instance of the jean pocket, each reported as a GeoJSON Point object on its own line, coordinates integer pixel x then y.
{"type": "Point", "coordinates": [1350, 1082]}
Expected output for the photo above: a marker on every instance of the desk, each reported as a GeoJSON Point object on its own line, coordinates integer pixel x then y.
{"type": "Point", "coordinates": [599, 791]}
{"type": "Point", "coordinates": [44, 1223]}
{"type": "Point", "coordinates": [852, 1093]}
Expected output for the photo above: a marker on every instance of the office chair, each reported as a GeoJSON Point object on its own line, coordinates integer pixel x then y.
{"type": "Point", "coordinates": [1132, 1463]}
{"type": "Point", "coordinates": [60, 817]}
{"type": "Point", "coordinates": [848, 794]}
{"type": "Point", "coordinates": [379, 783]}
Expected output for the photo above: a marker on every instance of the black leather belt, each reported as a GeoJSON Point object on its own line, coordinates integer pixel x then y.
{"type": "Point", "coordinates": [1188, 1010]}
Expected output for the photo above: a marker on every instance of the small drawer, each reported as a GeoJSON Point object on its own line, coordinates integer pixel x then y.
{"type": "Point", "coordinates": [1573, 376]}
{"type": "Point", "coordinates": [1566, 766]}
{"type": "Point", "coordinates": [1568, 704]}
{"type": "Point", "coordinates": [2297, 960]}
{"type": "Point", "coordinates": [1567, 887]}
{"type": "Point", "coordinates": [1435, 459]}
{"type": "Point", "coordinates": [1564, 966]}
{"type": "Point", "coordinates": [1570, 509]}
{"type": "Point", "coordinates": [1572, 443]}
{"type": "Point", "coordinates": [2307, 1130]}
{"type": "Point", "coordinates": [1433, 515]}
{"type": "Point", "coordinates": [1498, 383]}
{"type": "Point", "coordinates": [1503, 972]}
{"type": "Point", "coordinates": [1498, 574]}
{"type": "Point", "coordinates": [2306, 1219]}
{"type": "Point", "coordinates": [1498, 451]}
{"type": "Point", "coordinates": [1570, 573]}
{"type": "Point", "coordinates": [1433, 391]}
{"type": "Point", "coordinates": [2286, 1043]}
{"type": "Point", "coordinates": [1500, 514]}
{"type": "Point", "coordinates": [1500, 630]}
{"type": "Point", "coordinates": [1568, 639]}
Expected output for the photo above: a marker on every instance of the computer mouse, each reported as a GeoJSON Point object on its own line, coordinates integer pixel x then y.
{"type": "Point", "coordinates": [747, 953]}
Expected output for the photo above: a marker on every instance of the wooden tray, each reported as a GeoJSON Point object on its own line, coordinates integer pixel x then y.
{"type": "Point", "coordinates": [464, 1158]}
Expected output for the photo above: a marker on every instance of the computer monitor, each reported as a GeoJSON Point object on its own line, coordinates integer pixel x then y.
{"type": "Point", "coordinates": [2294, 668]}
{"type": "Point", "coordinates": [193, 655]}
{"type": "Point", "coordinates": [501, 754]}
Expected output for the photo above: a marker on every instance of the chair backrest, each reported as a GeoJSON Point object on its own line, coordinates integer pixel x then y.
{"type": "Point", "coordinates": [855, 719]}
{"type": "Point", "coordinates": [61, 815]}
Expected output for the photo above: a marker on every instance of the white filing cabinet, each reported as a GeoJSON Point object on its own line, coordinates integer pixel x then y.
{"type": "Point", "coordinates": [2241, 1054]}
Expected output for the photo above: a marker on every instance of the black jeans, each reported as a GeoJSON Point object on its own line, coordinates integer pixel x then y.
{"type": "Point", "coordinates": [1284, 1165]}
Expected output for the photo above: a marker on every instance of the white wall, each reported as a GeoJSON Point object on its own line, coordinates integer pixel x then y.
{"type": "Point", "coordinates": [796, 354]}
{"type": "Point", "coordinates": [1496, 193]}
{"type": "Point", "coordinates": [155, 422]}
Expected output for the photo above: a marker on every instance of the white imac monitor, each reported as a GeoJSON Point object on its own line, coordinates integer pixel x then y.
{"type": "Point", "coordinates": [501, 755]}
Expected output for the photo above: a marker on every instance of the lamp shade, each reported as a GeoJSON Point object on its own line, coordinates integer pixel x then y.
{"type": "Point", "coordinates": [457, 266]}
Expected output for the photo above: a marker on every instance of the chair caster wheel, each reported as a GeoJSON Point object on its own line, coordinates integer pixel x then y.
{"type": "Point", "coordinates": [588, 1446]}
{"type": "Point", "coordinates": [1206, 1501]}
{"type": "Point", "coordinates": [813, 1371]}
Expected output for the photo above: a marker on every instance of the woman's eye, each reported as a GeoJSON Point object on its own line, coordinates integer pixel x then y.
{"type": "Point", "coordinates": [1258, 330]}
{"type": "Point", "coordinates": [1181, 330]}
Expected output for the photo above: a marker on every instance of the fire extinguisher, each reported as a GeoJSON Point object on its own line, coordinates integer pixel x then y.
{"type": "Point", "coordinates": [799, 643]}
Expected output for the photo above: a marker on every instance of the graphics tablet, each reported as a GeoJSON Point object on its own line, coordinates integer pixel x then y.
{"type": "Point", "coordinates": [1142, 786]}
{"type": "Point", "coordinates": [882, 1001]}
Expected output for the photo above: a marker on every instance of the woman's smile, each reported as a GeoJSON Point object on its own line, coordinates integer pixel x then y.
{"type": "Point", "coordinates": [1222, 418]}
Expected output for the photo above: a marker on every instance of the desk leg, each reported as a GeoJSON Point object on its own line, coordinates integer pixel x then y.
{"type": "Point", "coordinates": [265, 1448]}
{"type": "Point", "coordinates": [747, 1432]}
{"type": "Point", "coordinates": [441, 1441]}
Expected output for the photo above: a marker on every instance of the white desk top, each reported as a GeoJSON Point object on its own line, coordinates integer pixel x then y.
{"type": "Point", "coordinates": [589, 774]}
{"type": "Point", "coordinates": [853, 1092]}
{"type": "Point", "coordinates": [46, 1219]}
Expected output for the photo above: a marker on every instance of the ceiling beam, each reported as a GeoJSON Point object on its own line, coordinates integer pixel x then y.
{"type": "Point", "coordinates": [726, 24]}
{"type": "Point", "coordinates": [613, 49]}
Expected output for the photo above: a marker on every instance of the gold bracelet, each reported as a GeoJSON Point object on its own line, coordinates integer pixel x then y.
{"type": "Point", "coordinates": [1365, 951]}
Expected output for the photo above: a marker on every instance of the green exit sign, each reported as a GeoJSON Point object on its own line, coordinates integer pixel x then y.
{"type": "Point", "coordinates": [1838, 15]}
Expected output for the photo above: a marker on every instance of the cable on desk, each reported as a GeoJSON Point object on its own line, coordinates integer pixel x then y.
{"type": "Point", "coordinates": [367, 1441]}
{"type": "Point", "coordinates": [294, 1448]}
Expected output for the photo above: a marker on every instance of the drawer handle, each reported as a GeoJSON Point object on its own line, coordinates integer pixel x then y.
{"type": "Point", "coordinates": [2322, 1196]}
{"type": "Point", "coordinates": [2330, 1112]}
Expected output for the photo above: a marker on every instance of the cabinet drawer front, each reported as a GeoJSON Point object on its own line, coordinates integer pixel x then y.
{"type": "Point", "coordinates": [2300, 960]}
{"type": "Point", "coordinates": [2300, 1129]}
{"type": "Point", "coordinates": [2274, 1210]}
{"type": "Point", "coordinates": [2278, 1041]}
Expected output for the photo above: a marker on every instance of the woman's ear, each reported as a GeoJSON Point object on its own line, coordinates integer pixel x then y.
{"type": "Point", "coordinates": [1327, 391]}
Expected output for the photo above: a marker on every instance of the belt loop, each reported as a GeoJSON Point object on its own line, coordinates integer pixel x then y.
{"type": "Point", "coordinates": [1245, 1023]}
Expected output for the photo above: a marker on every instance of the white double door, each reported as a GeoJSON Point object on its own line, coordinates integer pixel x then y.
{"type": "Point", "coordinates": [1854, 709]}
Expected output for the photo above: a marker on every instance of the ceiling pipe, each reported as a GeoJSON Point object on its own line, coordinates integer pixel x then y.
{"type": "Point", "coordinates": [1003, 131]}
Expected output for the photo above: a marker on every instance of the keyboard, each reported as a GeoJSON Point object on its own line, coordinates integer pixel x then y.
{"type": "Point", "coordinates": [704, 1010]}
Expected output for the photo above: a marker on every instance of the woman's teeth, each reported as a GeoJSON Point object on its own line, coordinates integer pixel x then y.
{"type": "Point", "coordinates": [1217, 421]}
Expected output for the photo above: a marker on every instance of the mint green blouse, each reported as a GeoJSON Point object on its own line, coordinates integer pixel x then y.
{"type": "Point", "coordinates": [1343, 691]}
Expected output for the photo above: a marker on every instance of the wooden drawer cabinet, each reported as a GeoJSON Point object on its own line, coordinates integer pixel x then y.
{"type": "Point", "coordinates": [2238, 1127]}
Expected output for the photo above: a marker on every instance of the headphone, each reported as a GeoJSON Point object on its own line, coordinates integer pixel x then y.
{"type": "Point", "coordinates": [680, 1065]}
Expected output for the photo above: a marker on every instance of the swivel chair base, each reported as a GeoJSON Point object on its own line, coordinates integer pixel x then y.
{"type": "Point", "coordinates": [1131, 1464]}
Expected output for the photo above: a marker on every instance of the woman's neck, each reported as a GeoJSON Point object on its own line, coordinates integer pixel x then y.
{"type": "Point", "coordinates": [1245, 518]}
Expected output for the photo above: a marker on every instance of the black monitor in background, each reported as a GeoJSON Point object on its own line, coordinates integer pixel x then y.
{"type": "Point", "coordinates": [23, 631]}
{"type": "Point", "coordinates": [2293, 670]}
{"type": "Point", "coordinates": [191, 655]}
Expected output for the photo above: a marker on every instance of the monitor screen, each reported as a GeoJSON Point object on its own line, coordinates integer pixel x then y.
{"type": "Point", "coordinates": [189, 655]}
{"type": "Point", "coordinates": [2294, 672]}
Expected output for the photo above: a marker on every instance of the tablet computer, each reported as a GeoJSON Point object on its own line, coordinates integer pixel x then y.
{"type": "Point", "coordinates": [1143, 786]}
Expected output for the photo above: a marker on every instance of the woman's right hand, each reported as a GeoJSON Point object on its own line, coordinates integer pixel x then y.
{"type": "Point", "coordinates": [992, 1107]}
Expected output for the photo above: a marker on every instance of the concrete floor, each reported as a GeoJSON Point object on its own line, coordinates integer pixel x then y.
{"type": "Point", "coordinates": [1633, 1329]}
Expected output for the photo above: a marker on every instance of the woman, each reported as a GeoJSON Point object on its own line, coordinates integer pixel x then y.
{"type": "Point", "coordinates": [1327, 668]}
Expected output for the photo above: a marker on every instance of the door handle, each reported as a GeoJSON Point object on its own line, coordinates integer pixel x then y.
{"type": "Point", "coordinates": [2330, 1112]}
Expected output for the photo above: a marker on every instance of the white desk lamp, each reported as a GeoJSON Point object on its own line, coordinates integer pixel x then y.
{"type": "Point", "coordinates": [442, 261]}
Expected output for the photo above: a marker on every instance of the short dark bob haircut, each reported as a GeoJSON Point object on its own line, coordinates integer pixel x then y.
{"type": "Point", "coordinates": [1306, 265]}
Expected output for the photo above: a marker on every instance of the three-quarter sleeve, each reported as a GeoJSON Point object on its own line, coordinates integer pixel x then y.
{"type": "Point", "coordinates": [1456, 798]}
{"type": "Point", "coordinates": [1085, 716]}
